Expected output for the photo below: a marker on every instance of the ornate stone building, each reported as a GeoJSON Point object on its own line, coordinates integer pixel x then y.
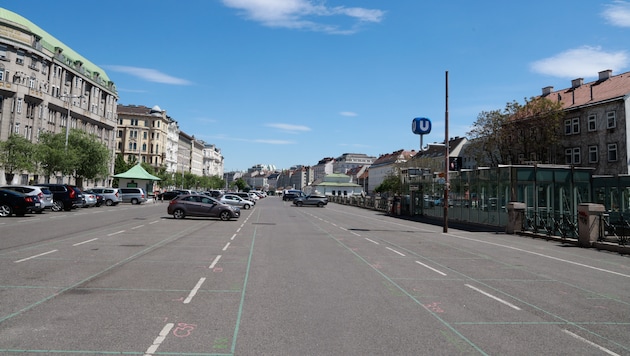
{"type": "Point", "coordinates": [45, 86]}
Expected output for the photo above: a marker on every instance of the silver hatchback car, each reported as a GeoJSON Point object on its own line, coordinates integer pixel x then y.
{"type": "Point", "coordinates": [44, 194]}
{"type": "Point", "coordinates": [111, 196]}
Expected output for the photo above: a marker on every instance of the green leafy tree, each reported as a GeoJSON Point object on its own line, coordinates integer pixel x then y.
{"type": "Point", "coordinates": [52, 155]}
{"type": "Point", "coordinates": [16, 154]}
{"type": "Point", "coordinates": [91, 157]}
{"type": "Point", "coordinates": [529, 130]}
{"type": "Point", "coordinates": [391, 184]}
{"type": "Point", "coordinates": [240, 183]}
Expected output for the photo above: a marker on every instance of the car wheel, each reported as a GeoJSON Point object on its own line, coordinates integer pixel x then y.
{"type": "Point", "coordinates": [320, 204]}
{"type": "Point", "coordinates": [109, 202]}
{"type": "Point", "coordinates": [134, 201]}
{"type": "Point", "coordinates": [225, 215]}
{"type": "Point", "coordinates": [246, 206]}
{"type": "Point", "coordinates": [5, 210]}
{"type": "Point", "coordinates": [179, 214]}
{"type": "Point", "coordinates": [56, 206]}
{"type": "Point", "coordinates": [67, 207]}
{"type": "Point", "coordinates": [299, 203]}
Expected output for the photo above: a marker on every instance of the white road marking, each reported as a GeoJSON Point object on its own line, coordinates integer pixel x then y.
{"type": "Point", "coordinates": [372, 241]}
{"type": "Point", "coordinates": [216, 259]}
{"type": "Point", "coordinates": [84, 242]}
{"type": "Point", "coordinates": [158, 340]}
{"type": "Point", "coordinates": [30, 258]}
{"type": "Point", "coordinates": [601, 348]}
{"type": "Point", "coordinates": [391, 249]}
{"type": "Point", "coordinates": [116, 233]}
{"type": "Point", "coordinates": [431, 268]}
{"type": "Point", "coordinates": [194, 291]}
{"type": "Point", "coordinates": [493, 297]}
{"type": "Point", "coordinates": [226, 246]}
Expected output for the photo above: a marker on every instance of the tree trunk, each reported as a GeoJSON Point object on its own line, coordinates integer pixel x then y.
{"type": "Point", "coordinates": [8, 177]}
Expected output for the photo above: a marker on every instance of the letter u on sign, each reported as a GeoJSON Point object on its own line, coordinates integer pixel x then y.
{"type": "Point", "coordinates": [421, 126]}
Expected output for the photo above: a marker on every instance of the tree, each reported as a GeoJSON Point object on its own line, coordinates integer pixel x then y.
{"type": "Point", "coordinates": [529, 130]}
{"type": "Point", "coordinates": [391, 184]}
{"type": "Point", "coordinates": [240, 184]}
{"type": "Point", "coordinates": [91, 158]}
{"type": "Point", "coordinates": [16, 154]}
{"type": "Point", "coordinates": [52, 155]}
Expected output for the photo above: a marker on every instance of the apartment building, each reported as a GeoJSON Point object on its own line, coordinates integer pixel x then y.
{"type": "Point", "coordinates": [142, 134]}
{"type": "Point", "coordinates": [595, 130]}
{"type": "Point", "coordinates": [46, 86]}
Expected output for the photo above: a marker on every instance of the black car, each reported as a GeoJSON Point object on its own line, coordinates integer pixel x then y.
{"type": "Point", "coordinates": [289, 195]}
{"type": "Point", "coordinates": [12, 202]}
{"type": "Point", "coordinates": [65, 196]}
{"type": "Point", "coordinates": [169, 195]}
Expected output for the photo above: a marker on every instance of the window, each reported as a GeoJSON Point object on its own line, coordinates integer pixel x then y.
{"type": "Point", "coordinates": [144, 147]}
{"type": "Point", "coordinates": [592, 122]}
{"type": "Point", "coordinates": [592, 154]}
{"type": "Point", "coordinates": [572, 155]}
{"type": "Point", "coordinates": [19, 106]}
{"type": "Point", "coordinates": [611, 120]}
{"type": "Point", "coordinates": [120, 133]}
{"type": "Point", "coordinates": [612, 152]}
{"type": "Point", "coordinates": [572, 126]}
{"type": "Point", "coordinates": [144, 135]}
{"type": "Point", "coordinates": [20, 57]}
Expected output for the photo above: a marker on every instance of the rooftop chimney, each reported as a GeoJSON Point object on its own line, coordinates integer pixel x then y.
{"type": "Point", "coordinates": [547, 90]}
{"type": "Point", "coordinates": [605, 74]}
{"type": "Point", "coordinates": [577, 82]}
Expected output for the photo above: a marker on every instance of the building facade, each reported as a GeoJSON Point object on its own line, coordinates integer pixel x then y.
{"type": "Point", "coordinates": [45, 86]}
{"type": "Point", "coordinates": [142, 134]}
{"type": "Point", "coordinates": [594, 130]}
{"type": "Point", "coordinates": [348, 161]}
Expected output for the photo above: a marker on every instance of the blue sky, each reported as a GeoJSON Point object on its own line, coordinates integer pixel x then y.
{"type": "Point", "coordinates": [288, 82]}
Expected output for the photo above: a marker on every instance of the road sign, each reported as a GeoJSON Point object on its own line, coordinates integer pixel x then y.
{"type": "Point", "coordinates": [421, 126]}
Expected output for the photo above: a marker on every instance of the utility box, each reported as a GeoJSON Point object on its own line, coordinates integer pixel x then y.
{"type": "Point", "coordinates": [589, 219]}
{"type": "Point", "coordinates": [516, 216]}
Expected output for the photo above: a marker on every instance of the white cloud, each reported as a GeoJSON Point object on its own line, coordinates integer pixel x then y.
{"type": "Point", "coordinates": [148, 74]}
{"type": "Point", "coordinates": [289, 128]}
{"type": "Point", "coordinates": [618, 13]}
{"type": "Point", "coordinates": [348, 113]}
{"type": "Point", "coordinates": [298, 14]}
{"type": "Point", "coordinates": [581, 62]}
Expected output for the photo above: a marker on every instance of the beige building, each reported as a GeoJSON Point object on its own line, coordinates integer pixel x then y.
{"type": "Point", "coordinates": [142, 134]}
{"type": "Point", "coordinates": [45, 86]}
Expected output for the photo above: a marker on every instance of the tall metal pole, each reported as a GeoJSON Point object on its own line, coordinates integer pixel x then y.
{"type": "Point", "coordinates": [446, 160]}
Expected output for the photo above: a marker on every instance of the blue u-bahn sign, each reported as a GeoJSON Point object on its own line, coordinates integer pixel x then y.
{"type": "Point", "coordinates": [421, 126]}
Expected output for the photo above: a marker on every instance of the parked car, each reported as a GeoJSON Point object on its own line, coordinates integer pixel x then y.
{"type": "Point", "coordinates": [12, 202]}
{"type": "Point", "coordinates": [289, 195]}
{"type": "Point", "coordinates": [312, 199]}
{"type": "Point", "coordinates": [245, 196]}
{"type": "Point", "coordinates": [44, 195]}
{"type": "Point", "coordinates": [65, 196]}
{"type": "Point", "coordinates": [110, 195]}
{"type": "Point", "coordinates": [133, 195]}
{"type": "Point", "coordinates": [235, 200]}
{"type": "Point", "coordinates": [169, 195]}
{"type": "Point", "coordinates": [201, 206]}
{"type": "Point", "coordinates": [89, 199]}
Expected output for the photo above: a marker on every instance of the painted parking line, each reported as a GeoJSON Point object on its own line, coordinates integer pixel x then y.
{"type": "Point", "coordinates": [226, 246]}
{"type": "Point", "coordinates": [30, 258]}
{"type": "Point", "coordinates": [194, 291]}
{"type": "Point", "coordinates": [116, 233]}
{"type": "Point", "coordinates": [493, 297]}
{"type": "Point", "coordinates": [391, 249]}
{"type": "Point", "coordinates": [158, 340]}
{"type": "Point", "coordinates": [84, 242]}
{"type": "Point", "coordinates": [137, 227]}
{"type": "Point", "coordinates": [431, 268]}
{"type": "Point", "coordinates": [214, 263]}
{"type": "Point", "coordinates": [372, 241]}
{"type": "Point", "coordinates": [601, 348]}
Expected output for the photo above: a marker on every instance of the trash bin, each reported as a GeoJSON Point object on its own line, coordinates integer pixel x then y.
{"type": "Point", "coordinates": [516, 216]}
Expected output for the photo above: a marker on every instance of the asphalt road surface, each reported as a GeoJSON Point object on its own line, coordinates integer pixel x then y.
{"type": "Point", "coordinates": [286, 280]}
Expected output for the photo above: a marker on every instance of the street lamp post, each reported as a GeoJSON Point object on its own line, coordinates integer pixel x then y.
{"type": "Point", "coordinates": [68, 120]}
